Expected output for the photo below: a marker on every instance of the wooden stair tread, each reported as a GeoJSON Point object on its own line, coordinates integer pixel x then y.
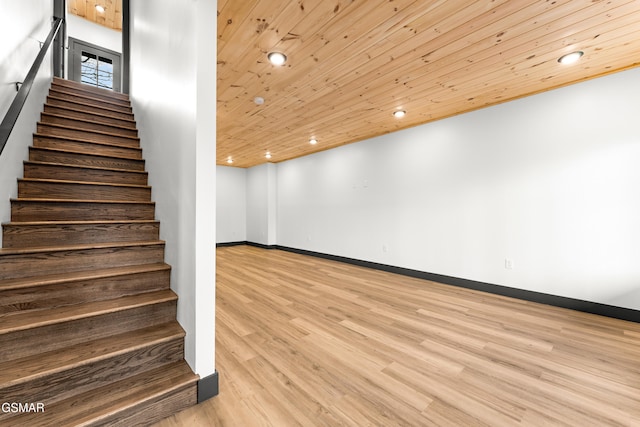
{"type": "Point", "coordinates": [44, 249]}
{"type": "Point", "coordinates": [78, 101]}
{"type": "Point", "coordinates": [86, 95]}
{"type": "Point", "coordinates": [75, 276]}
{"type": "Point", "coordinates": [67, 151]}
{"type": "Point", "coordinates": [106, 114]}
{"type": "Point", "coordinates": [88, 222]}
{"type": "Point", "coordinates": [96, 168]}
{"type": "Point", "coordinates": [89, 123]}
{"type": "Point", "coordinates": [104, 402]}
{"type": "Point", "coordinates": [31, 199]}
{"type": "Point", "coordinates": [19, 321]}
{"type": "Point", "coordinates": [87, 141]}
{"type": "Point", "coordinates": [58, 81]}
{"type": "Point", "coordinates": [62, 181]}
{"type": "Point", "coordinates": [96, 132]}
{"type": "Point", "coordinates": [33, 367]}
{"type": "Point", "coordinates": [60, 116]}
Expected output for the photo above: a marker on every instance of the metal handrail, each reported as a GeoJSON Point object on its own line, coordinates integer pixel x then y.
{"type": "Point", "coordinates": [11, 117]}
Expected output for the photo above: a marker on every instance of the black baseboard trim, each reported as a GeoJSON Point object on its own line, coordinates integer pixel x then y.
{"type": "Point", "coordinates": [208, 387]}
{"type": "Point", "coordinates": [262, 245]}
{"type": "Point", "coordinates": [538, 297]}
{"type": "Point", "coordinates": [247, 243]}
{"type": "Point", "coordinates": [228, 244]}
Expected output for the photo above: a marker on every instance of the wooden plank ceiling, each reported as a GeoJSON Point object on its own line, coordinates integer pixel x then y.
{"type": "Point", "coordinates": [352, 63]}
{"type": "Point", "coordinates": [110, 18]}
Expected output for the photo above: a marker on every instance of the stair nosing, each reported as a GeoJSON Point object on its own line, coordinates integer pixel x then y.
{"type": "Point", "coordinates": [66, 165]}
{"type": "Point", "coordinates": [76, 276]}
{"type": "Point", "coordinates": [55, 125]}
{"type": "Point", "coordinates": [172, 335]}
{"type": "Point", "coordinates": [161, 297]}
{"type": "Point", "coordinates": [96, 183]}
{"type": "Point", "coordinates": [93, 113]}
{"type": "Point", "coordinates": [88, 222]}
{"type": "Point", "coordinates": [31, 199]}
{"type": "Point", "coordinates": [46, 114]}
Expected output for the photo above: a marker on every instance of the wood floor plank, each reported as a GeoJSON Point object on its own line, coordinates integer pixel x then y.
{"type": "Point", "coordinates": [312, 342]}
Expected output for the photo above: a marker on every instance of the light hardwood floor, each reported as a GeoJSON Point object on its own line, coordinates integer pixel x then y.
{"type": "Point", "coordinates": [306, 341]}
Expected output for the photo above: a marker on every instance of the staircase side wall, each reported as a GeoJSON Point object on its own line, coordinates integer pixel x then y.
{"type": "Point", "coordinates": [175, 113]}
{"type": "Point", "coordinates": [23, 25]}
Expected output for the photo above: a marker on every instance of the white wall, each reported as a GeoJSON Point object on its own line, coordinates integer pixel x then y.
{"type": "Point", "coordinates": [99, 35]}
{"type": "Point", "coordinates": [22, 25]}
{"type": "Point", "coordinates": [173, 78]}
{"type": "Point", "coordinates": [231, 204]}
{"type": "Point", "coordinates": [549, 182]}
{"type": "Point", "coordinates": [261, 204]}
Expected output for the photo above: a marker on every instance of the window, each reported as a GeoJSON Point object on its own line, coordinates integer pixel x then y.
{"type": "Point", "coordinates": [96, 70]}
{"type": "Point", "coordinates": [93, 65]}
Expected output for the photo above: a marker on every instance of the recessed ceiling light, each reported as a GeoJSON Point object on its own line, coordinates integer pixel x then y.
{"type": "Point", "coordinates": [268, 155]}
{"type": "Point", "coordinates": [100, 8]}
{"type": "Point", "coordinates": [258, 100]}
{"type": "Point", "coordinates": [313, 141]}
{"type": "Point", "coordinates": [570, 58]}
{"type": "Point", "coordinates": [399, 113]}
{"type": "Point", "coordinates": [229, 160]}
{"type": "Point", "coordinates": [277, 58]}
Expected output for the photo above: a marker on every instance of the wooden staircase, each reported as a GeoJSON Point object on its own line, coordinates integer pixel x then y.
{"type": "Point", "coordinates": [87, 319]}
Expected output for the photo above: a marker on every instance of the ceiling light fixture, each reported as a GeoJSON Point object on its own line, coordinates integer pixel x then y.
{"type": "Point", "coordinates": [268, 155]}
{"type": "Point", "coordinates": [399, 113]}
{"type": "Point", "coordinates": [258, 100]}
{"type": "Point", "coordinates": [100, 8]}
{"type": "Point", "coordinates": [570, 58]}
{"type": "Point", "coordinates": [230, 160]}
{"type": "Point", "coordinates": [313, 141]}
{"type": "Point", "coordinates": [277, 58]}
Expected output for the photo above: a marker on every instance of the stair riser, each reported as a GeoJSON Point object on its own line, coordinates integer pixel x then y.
{"type": "Point", "coordinates": [79, 159]}
{"type": "Point", "coordinates": [139, 400]}
{"type": "Point", "coordinates": [45, 129]}
{"type": "Point", "coordinates": [56, 387]}
{"type": "Point", "coordinates": [23, 236]}
{"type": "Point", "coordinates": [85, 115]}
{"type": "Point", "coordinates": [72, 191]}
{"type": "Point", "coordinates": [86, 147]}
{"type": "Point", "coordinates": [80, 87]}
{"type": "Point", "coordinates": [28, 342]}
{"type": "Point", "coordinates": [89, 98]}
{"type": "Point", "coordinates": [81, 291]}
{"type": "Point", "coordinates": [97, 109]}
{"type": "Point", "coordinates": [26, 265]}
{"type": "Point", "coordinates": [156, 410]}
{"type": "Point", "coordinates": [22, 210]}
{"type": "Point", "coordinates": [91, 126]}
{"type": "Point", "coordinates": [84, 174]}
